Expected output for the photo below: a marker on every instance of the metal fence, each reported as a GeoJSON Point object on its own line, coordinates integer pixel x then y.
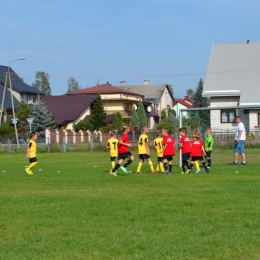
{"type": "Point", "coordinates": [223, 139]}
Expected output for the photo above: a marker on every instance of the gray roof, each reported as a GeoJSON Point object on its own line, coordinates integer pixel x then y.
{"type": "Point", "coordinates": [150, 91]}
{"type": "Point", "coordinates": [7, 101]}
{"type": "Point", "coordinates": [17, 84]}
{"type": "Point", "coordinates": [234, 70]}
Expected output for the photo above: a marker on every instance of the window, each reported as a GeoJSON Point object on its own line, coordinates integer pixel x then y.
{"type": "Point", "coordinates": [34, 99]}
{"type": "Point", "coordinates": [228, 116]}
{"type": "Point", "coordinates": [26, 98]}
{"type": "Point", "coordinates": [126, 106]}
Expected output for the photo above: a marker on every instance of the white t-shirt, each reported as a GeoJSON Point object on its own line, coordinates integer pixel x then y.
{"type": "Point", "coordinates": [240, 127]}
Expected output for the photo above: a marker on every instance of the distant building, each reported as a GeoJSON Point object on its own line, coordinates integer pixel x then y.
{"type": "Point", "coordinates": [184, 103]}
{"type": "Point", "coordinates": [21, 91]}
{"type": "Point", "coordinates": [233, 79]}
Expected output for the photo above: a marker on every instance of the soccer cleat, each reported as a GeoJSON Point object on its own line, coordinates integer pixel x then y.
{"type": "Point", "coordinates": [207, 170]}
{"type": "Point", "coordinates": [182, 172]}
{"type": "Point", "coordinates": [243, 163]}
{"type": "Point", "coordinates": [208, 167]}
{"type": "Point", "coordinates": [234, 163]}
{"type": "Point", "coordinates": [169, 172]}
{"type": "Point", "coordinates": [28, 171]}
{"type": "Point", "coordinates": [188, 171]}
{"type": "Point", "coordinates": [153, 172]}
{"type": "Point", "coordinates": [198, 171]}
{"type": "Point", "coordinates": [137, 172]}
{"type": "Point", "coordinates": [113, 174]}
{"type": "Point", "coordinates": [123, 169]}
{"type": "Point", "coordinates": [166, 172]}
{"type": "Point", "coordinates": [156, 171]}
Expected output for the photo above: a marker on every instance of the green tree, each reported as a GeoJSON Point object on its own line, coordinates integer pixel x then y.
{"type": "Point", "coordinates": [6, 128]}
{"type": "Point", "coordinates": [142, 119]}
{"type": "Point", "coordinates": [199, 101]}
{"type": "Point", "coordinates": [42, 82]}
{"type": "Point", "coordinates": [190, 93]}
{"type": "Point", "coordinates": [41, 118]}
{"type": "Point", "coordinates": [22, 113]}
{"type": "Point", "coordinates": [117, 120]}
{"type": "Point", "coordinates": [98, 114]}
{"type": "Point", "coordinates": [134, 121]}
{"type": "Point", "coordinates": [73, 85]}
{"type": "Point", "coordinates": [83, 125]}
{"type": "Point", "coordinates": [164, 113]}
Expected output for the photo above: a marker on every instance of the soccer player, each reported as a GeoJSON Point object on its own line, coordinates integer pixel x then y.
{"type": "Point", "coordinates": [31, 153]}
{"type": "Point", "coordinates": [143, 150]}
{"type": "Point", "coordinates": [194, 134]}
{"type": "Point", "coordinates": [123, 152]}
{"type": "Point", "coordinates": [185, 147]}
{"type": "Point", "coordinates": [158, 146]}
{"type": "Point", "coordinates": [209, 146]}
{"type": "Point", "coordinates": [168, 151]}
{"type": "Point", "coordinates": [197, 151]}
{"type": "Point", "coordinates": [112, 144]}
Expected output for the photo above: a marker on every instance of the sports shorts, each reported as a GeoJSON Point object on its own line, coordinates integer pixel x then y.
{"type": "Point", "coordinates": [168, 157]}
{"type": "Point", "coordinates": [112, 159]}
{"type": "Point", "coordinates": [33, 159]}
{"type": "Point", "coordinates": [159, 159]}
{"type": "Point", "coordinates": [124, 155]}
{"type": "Point", "coordinates": [197, 158]}
{"type": "Point", "coordinates": [185, 156]}
{"type": "Point", "coordinates": [144, 156]}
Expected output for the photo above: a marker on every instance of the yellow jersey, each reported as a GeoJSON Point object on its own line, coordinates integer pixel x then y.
{"type": "Point", "coordinates": [112, 143]}
{"type": "Point", "coordinates": [32, 149]}
{"type": "Point", "coordinates": [143, 140]}
{"type": "Point", "coordinates": [158, 144]}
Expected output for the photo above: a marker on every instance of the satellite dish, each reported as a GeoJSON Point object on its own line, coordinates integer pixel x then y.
{"type": "Point", "coordinates": [149, 109]}
{"type": "Point", "coordinates": [135, 106]}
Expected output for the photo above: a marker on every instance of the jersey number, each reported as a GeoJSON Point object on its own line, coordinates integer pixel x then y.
{"type": "Point", "coordinates": [114, 143]}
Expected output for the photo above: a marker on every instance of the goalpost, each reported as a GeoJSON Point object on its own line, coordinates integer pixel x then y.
{"type": "Point", "coordinates": [255, 133]}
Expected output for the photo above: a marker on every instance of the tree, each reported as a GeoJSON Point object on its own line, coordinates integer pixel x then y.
{"type": "Point", "coordinates": [199, 101]}
{"type": "Point", "coordinates": [134, 121]}
{"type": "Point", "coordinates": [141, 115]}
{"type": "Point", "coordinates": [73, 85]}
{"type": "Point", "coordinates": [98, 117]}
{"type": "Point", "coordinates": [117, 120]}
{"type": "Point", "coordinates": [23, 112]}
{"type": "Point", "coordinates": [6, 128]}
{"type": "Point", "coordinates": [42, 82]}
{"type": "Point", "coordinates": [190, 93]}
{"type": "Point", "coordinates": [83, 125]}
{"type": "Point", "coordinates": [41, 118]}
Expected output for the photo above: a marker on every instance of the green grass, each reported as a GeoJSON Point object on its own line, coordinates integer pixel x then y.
{"type": "Point", "coordinates": [82, 212]}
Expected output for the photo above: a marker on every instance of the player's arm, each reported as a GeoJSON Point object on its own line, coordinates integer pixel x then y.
{"type": "Point", "coordinates": [239, 135]}
{"type": "Point", "coordinates": [28, 150]}
{"type": "Point", "coordinates": [108, 145]}
{"type": "Point", "coordinates": [180, 146]}
{"type": "Point", "coordinates": [123, 143]}
{"type": "Point", "coordinates": [147, 146]}
{"type": "Point", "coordinates": [203, 150]}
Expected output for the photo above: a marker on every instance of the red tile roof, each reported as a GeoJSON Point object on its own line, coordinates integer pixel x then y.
{"type": "Point", "coordinates": [189, 99]}
{"type": "Point", "coordinates": [180, 101]}
{"type": "Point", "coordinates": [104, 89]}
{"type": "Point", "coordinates": [67, 108]}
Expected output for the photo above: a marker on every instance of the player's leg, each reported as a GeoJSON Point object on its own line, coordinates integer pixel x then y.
{"type": "Point", "coordinates": [208, 154]}
{"type": "Point", "coordinates": [150, 164]}
{"type": "Point", "coordinates": [170, 166]}
{"type": "Point", "coordinates": [139, 164]}
{"type": "Point", "coordinates": [130, 160]}
{"type": "Point", "coordinates": [204, 164]}
{"type": "Point", "coordinates": [33, 162]}
{"type": "Point", "coordinates": [120, 161]}
{"type": "Point", "coordinates": [165, 164]}
{"type": "Point", "coordinates": [113, 163]}
{"type": "Point", "coordinates": [197, 165]}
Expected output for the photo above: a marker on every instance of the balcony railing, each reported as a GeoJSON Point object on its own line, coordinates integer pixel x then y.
{"type": "Point", "coordinates": [122, 112]}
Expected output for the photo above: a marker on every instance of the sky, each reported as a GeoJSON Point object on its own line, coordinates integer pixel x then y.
{"type": "Point", "coordinates": [163, 41]}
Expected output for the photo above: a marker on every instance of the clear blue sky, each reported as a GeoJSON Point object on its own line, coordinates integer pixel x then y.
{"type": "Point", "coordinates": [165, 41]}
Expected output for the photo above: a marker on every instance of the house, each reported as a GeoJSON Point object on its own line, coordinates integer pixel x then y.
{"type": "Point", "coordinates": [159, 95]}
{"type": "Point", "coordinates": [118, 100]}
{"type": "Point", "coordinates": [233, 79]}
{"type": "Point", "coordinates": [21, 91]}
{"type": "Point", "coordinates": [69, 109]}
{"type": "Point", "coordinates": [184, 103]}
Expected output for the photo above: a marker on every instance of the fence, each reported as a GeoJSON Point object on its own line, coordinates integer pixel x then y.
{"type": "Point", "coordinates": [86, 141]}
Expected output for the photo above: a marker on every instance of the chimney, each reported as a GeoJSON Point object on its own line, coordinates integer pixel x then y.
{"type": "Point", "coordinates": [248, 41]}
{"type": "Point", "coordinates": [146, 82]}
{"type": "Point", "coordinates": [122, 83]}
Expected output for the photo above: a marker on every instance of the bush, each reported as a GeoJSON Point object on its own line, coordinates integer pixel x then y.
{"type": "Point", "coordinates": [83, 125]}
{"type": "Point", "coordinates": [165, 123]}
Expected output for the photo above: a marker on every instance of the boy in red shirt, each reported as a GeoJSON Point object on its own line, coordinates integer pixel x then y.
{"type": "Point", "coordinates": [197, 151]}
{"type": "Point", "coordinates": [185, 147]}
{"type": "Point", "coordinates": [168, 151]}
{"type": "Point", "coordinates": [123, 152]}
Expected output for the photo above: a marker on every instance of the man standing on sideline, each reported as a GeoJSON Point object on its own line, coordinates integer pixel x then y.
{"type": "Point", "coordinates": [240, 138]}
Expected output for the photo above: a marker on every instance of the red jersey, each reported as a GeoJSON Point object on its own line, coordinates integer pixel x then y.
{"type": "Point", "coordinates": [196, 149]}
{"type": "Point", "coordinates": [169, 141]}
{"type": "Point", "coordinates": [123, 148]}
{"type": "Point", "coordinates": [186, 145]}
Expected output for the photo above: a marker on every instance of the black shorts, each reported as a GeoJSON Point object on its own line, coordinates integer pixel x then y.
{"type": "Point", "coordinates": [168, 157]}
{"type": "Point", "coordinates": [124, 155]}
{"type": "Point", "coordinates": [185, 156]}
{"type": "Point", "coordinates": [112, 159]}
{"type": "Point", "coordinates": [144, 156]}
{"type": "Point", "coordinates": [160, 159]}
{"type": "Point", "coordinates": [34, 159]}
{"type": "Point", "coordinates": [208, 154]}
{"type": "Point", "coordinates": [197, 158]}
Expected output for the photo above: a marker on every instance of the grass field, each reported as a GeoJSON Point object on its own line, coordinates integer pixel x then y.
{"type": "Point", "coordinates": [73, 210]}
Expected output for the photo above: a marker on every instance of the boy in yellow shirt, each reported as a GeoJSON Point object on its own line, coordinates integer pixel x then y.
{"type": "Point", "coordinates": [143, 150]}
{"type": "Point", "coordinates": [31, 153]}
{"type": "Point", "coordinates": [112, 144]}
{"type": "Point", "coordinates": [158, 146]}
